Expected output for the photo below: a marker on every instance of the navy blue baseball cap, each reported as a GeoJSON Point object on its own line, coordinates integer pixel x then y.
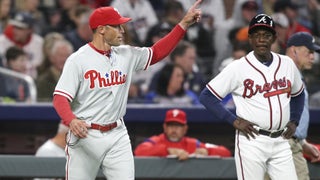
{"type": "Point", "coordinates": [303, 39]}
{"type": "Point", "coordinates": [262, 21]}
{"type": "Point", "coordinates": [22, 20]}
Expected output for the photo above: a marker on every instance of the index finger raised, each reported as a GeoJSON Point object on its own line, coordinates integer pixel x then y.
{"type": "Point", "coordinates": [194, 6]}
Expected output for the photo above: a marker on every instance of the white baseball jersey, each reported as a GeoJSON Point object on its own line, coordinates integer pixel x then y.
{"type": "Point", "coordinates": [97, 86]}
{"type": "Point", "coordinates": [261, 93]}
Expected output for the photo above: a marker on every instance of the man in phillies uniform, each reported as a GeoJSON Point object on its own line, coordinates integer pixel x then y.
{"type": "Point", "coordinates": [91, 94]}
{"type": "Point", "coordinates": [173, 142]}
{"type": "Point", "coordinates": [268, 94]}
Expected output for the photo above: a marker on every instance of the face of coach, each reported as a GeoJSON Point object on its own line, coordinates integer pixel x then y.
{"type": "Point", "coordinates": [262, 35]}
{"type": "Point", "coordinates": [106, 24]}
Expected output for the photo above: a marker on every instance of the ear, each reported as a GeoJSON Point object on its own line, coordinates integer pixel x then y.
{"type": "Point", "coordinates": [274, 38]}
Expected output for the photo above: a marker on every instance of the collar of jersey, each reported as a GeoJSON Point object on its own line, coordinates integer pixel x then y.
{"type": "Point", "coordinates": [105, 53]}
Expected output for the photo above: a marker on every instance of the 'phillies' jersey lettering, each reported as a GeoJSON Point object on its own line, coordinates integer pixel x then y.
{"type": "Point", "coordinates": [280, 86]}
{"type": "Point", "coordinates": [113, 78]}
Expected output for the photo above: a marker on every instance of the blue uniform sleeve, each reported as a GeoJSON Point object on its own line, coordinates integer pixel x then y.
{"type": "Point", "coordinates": [214, 105]}
{"type": "Point", "coordinates": [296, 107]}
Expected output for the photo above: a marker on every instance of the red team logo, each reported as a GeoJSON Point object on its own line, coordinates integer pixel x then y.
{"type": "Point", "coordinates": [274, 88]}
{"type": "Point", "coordinates": [114, 77]}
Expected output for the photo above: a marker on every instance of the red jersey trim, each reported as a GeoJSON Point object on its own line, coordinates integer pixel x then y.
{"type": "Point", "coordinates": [214, 92]}
{"type": "Point", "coordinates": [65, 94]}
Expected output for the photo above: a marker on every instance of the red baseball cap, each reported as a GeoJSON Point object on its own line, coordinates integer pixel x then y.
{"type": "Point", "coordinates": [106, 16]}
{"type": "Point", "coordinates": [176, 115]}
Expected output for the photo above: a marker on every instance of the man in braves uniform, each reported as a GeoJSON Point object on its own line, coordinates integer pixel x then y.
{"type": "Point", "coordinates": [268, 94]}
{"type": "Point", "coordinates": [173, 142]}
{"type": "Point", "coordinates": [91, 94]}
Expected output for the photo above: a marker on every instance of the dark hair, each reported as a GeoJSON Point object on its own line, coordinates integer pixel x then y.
{"type": "Point", "coordinates": [14, 52]}
{"type": "Point", "coordinates": [180, 49]}
{"type": "Point", "coordinates": [164, 79]}
{"type": "Point", "coordinates": [173, 6]}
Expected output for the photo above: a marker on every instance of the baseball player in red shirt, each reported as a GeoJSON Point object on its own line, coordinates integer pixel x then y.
{"type": "Point", "coordinates": [91, 94]}
{"type": "Point", "coordinates": [173, 142]}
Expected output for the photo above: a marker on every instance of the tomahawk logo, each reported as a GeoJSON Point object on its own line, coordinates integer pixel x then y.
{"type": "Point", "coordinates": [262, 19]}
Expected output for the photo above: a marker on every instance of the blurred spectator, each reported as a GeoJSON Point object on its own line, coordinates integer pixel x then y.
{"type": "Point", "coordinates": [66, 7]}
{"type": "Point", "coordinates": [5, 7]}
{"type": "Point", "coordinates": [202, 34]}
{"type": "Point", "coordinates": [281, 26]}
{"type": "Point", "coordinates": [14, 89]}
{"type": "Point", "coordinates": [239, 49]}
{"type": "Point", "coordinates": [173, 12]}
{"type": "Point", "coordinates": [48, 43]}
{"type": "Point", "coordinates": [82, 34]}
{"type": "Point", "coordinates": [266, 6]}
{"type": "Point", "coordinates": [315, 100]}
{"type": "Point", "coordinates": [142, 79]}
{"type": "Point", "coordinates": [20, 33]}
{"type": "Point", "coordinates": [314, 7]}
{"type": "Point", "coordinates": [170, 88]}
{"type": "Point", "coordinates": [290, 9]}
{"type": "Point", "coordinates": [173, 142]}
{"type": "Point", "coordinates": [185, 56]}
{"type": "Point", "coordinates": [52, 17]}
{"type": "Point", "coordinates": [54, 147]}
{"type": "Point", "coordinates": [32, 7]}
{"type": "Point", "coordinates": [143, 17]}
{"type": "Point", "coordinates": [213, 9]}
{"type": "Point", "coordinates": [96, 3]}
{"type": "Point", "coordinates": [52, 68]}
{"type": "Point", "coordinates": [244, 11]}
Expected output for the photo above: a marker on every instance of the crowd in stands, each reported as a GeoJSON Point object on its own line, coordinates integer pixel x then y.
{"type": "Point", "coordinates": [42, 34]}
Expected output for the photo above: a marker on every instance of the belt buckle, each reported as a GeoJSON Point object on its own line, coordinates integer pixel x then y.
{"type": "Point", "coordinates": [272, 134]}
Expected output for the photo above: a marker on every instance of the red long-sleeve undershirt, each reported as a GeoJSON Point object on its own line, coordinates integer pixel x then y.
{"type": "Point", "coordinates": [166, 44]}
{"type": "Point", "coordinates": [63, 108]}
{"type": "Point", "coordinates": [160, 50]}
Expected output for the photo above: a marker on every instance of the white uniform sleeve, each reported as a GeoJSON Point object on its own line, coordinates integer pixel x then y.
{"type": "Point", "coordinates": [143, 56]}
{"type": "Point", "coordinates": [297, 86]}
{"type": "Point", "coordinates": [225, 82]}
{"type": "Point", "coordinates": [70, 80]}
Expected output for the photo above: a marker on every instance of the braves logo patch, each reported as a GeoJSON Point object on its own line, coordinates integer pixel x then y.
{"type": "Point", "coordinates": [274, 88]}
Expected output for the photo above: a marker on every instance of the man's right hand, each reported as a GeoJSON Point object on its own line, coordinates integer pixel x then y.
{"type": "Point", "coordinates": [79, 128]}
{"type": "Point", "coordinates": [246, 127]}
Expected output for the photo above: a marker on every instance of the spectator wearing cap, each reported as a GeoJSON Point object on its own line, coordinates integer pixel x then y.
{"type": "Point", "coordinates": [281, 26]}
{"type": "Point", "coordinates": [173, 142]}
{"type": "Point", "coordinates": [301, 49]}
{"type": "Point", "coordinates": [258, 150]}
{"type": "Point", "coordinates": [244, 11]}
{"type": "Point", "coordinates": [290, 9]}
{"type": "Point", "coordinates": [20, 33]}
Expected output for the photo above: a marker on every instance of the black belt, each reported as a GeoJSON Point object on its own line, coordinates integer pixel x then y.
{"type": "Point", "coordinates": [272, 134]}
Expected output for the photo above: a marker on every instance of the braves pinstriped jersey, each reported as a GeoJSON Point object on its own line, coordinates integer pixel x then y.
{"type": "Point", "coordinates": [97, 85]}
{"type": "Point", "coordinates": [261, 93]}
